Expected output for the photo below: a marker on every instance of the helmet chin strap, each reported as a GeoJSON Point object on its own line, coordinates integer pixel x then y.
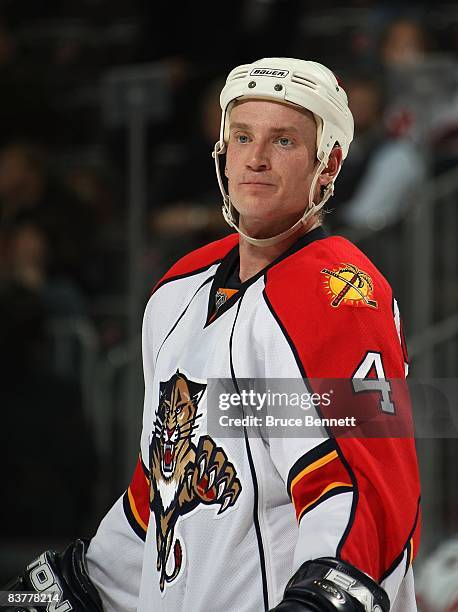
{"type": "Point", "coordinates": [311, 209]}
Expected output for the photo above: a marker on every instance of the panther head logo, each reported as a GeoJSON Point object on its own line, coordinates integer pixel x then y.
{"type": "Point", "coordinates": [183, 474]}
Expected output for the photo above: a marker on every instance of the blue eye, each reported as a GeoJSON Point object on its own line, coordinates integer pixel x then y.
{"type": "Point", "coordinates": [284, 141]}
{"type": "Point", "coordinates": [242, 138]}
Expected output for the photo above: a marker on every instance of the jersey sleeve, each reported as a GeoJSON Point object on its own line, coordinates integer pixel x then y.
{"type": "Point", "coordinates": [115, 554]}
{"type": "Point", "coordinates": [355, 494]}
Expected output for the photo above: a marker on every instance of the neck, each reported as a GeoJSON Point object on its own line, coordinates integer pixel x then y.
{"type": "Point", "coordinates": [254, 258]}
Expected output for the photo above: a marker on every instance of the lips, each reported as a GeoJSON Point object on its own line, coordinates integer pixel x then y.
{"type": "Point", "coordinates": [256, 186]}
{"type": "Point", "coordinates": [260, 183]}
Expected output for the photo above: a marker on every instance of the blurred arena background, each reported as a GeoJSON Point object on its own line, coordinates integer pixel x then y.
{"type": "Point", "coordinates": [108, 113]}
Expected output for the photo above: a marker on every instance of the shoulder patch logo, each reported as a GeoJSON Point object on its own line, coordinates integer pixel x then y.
{"type": "Point", "coordinates": [349, 285]}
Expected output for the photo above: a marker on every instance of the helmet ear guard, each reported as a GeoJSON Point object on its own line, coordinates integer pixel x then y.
{"type": "Point", "coordinates": [307, 84]}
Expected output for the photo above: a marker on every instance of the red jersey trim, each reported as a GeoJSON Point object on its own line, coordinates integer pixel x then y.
{"type": "Point", "coordinates": [335, 488]}
{"type": "Point", "coordinates": [136, 501]}
{"type": "Point", "coordinates": [317, 476]}
{"type": "Point", "coordinates": [199, 260]}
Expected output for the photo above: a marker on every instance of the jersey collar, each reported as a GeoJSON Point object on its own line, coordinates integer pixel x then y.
{"type": "Point", "coordinates": [230, 266]}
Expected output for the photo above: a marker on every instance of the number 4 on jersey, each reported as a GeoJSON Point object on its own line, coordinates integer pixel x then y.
{"type": "Point", "coordinates": [362, 381]}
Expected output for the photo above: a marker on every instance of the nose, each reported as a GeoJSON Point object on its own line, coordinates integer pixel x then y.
{"type": "Point", "coordinates": [258, 159]}
{"type": "Point", "coordinates": [170, 432]}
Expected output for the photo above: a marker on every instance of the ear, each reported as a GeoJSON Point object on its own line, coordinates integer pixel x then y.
{"type": "Point", "coordinates": [331, 170]}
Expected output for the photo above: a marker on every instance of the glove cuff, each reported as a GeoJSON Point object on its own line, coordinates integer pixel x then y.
{"type": "Point", "coordinates": [332, 585]}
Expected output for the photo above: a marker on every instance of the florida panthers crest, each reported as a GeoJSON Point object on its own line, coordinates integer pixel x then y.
{"type": "Point", "coordinates": [184, 474]}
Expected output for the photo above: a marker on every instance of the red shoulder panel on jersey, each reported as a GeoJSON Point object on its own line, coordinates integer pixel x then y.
{"type": "Point", "coordinates": [317, 476]}
{"type": "Point", "coordinates": [136, 500]}
{"type": "Point", "coordinates": [200, 259]}
{"type": "Point", "coordinates": [334, 307]}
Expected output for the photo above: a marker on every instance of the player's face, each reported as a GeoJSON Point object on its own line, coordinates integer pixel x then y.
{"type": "Point", "coordinates": [270, 164]}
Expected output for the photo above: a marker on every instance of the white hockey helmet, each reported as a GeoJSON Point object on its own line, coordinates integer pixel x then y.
{"type": "Point", "coordinates": [307, 84]}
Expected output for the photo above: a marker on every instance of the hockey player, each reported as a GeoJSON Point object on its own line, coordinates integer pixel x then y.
{"type": "Point", "coordinates": [246, 523]}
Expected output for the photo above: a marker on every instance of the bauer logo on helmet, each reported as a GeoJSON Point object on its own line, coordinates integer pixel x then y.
{"type": "Point", "coordinates": [280, 74]}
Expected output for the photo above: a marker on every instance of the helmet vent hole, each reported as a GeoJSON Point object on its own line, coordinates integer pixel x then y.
{"type": "Point", "coordinates": [252, 84]}
{"type": "Point", "coordinates": [278, 87]}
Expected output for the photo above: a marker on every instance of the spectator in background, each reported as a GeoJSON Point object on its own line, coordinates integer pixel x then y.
{"type": "Point", "coordinates": [40, 394]}
{"type": "Point", "coordinates": [24, 250]}
{"type": "Point", "coordinates": [405, 42]}
{"type": "Point", "coordinates": [42, 426]}
{"type": "Point", "coordinates": [422, 91]}
{"type": "Point", "coordinates": [30, 195]}
{"type": "Point", "coordinates": [437, 579]}
{"type": "Point", "coordinates": [381, 171]}
{"type": "Point", "coordinates": [404, 52]}
{"type": "Point", "coordinates": [94, 184]}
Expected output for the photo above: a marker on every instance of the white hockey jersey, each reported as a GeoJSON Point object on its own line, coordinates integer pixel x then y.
{"type": "Point", "coordinates": [212, 523]}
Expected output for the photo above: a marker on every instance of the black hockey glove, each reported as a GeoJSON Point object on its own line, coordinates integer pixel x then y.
{"type": "Point", "coordinates": [330, 585]}
{"type": "Point", "coordinates": [57, 575]}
